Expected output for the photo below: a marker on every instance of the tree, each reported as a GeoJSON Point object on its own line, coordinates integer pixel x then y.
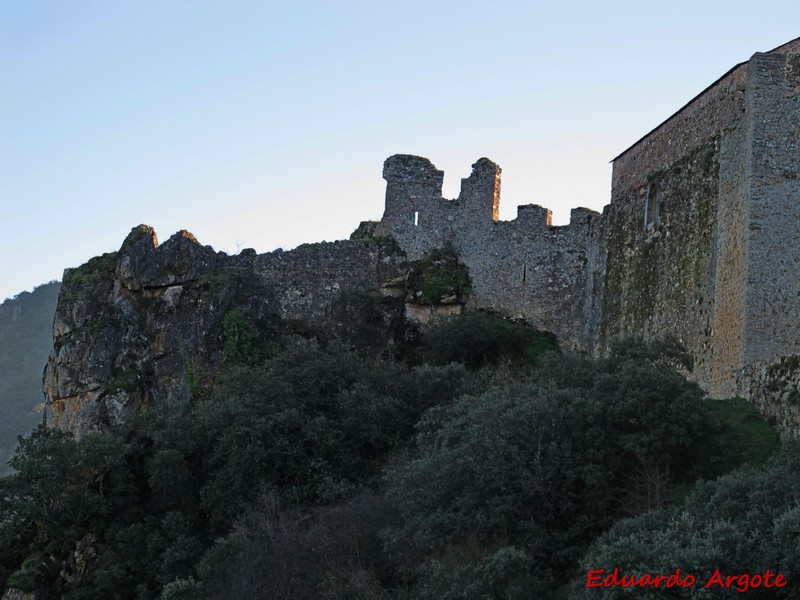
{"type": "Point", "coordinates": [509, 486]}
{"type": "Point", "coordinates": [745, 522]}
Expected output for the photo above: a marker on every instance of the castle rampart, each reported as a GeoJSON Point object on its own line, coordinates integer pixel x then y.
{"type": "Point", "coordinates": [525, 268]}
{"type": "Point", "coordinates": [727, 159]}
{"type": "Point", "coordinates": [701, 239]}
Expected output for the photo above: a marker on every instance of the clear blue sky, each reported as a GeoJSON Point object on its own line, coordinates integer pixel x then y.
{"type": "Point", "coordinates": [267, 123]}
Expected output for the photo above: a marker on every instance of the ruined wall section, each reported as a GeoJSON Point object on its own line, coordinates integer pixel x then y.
{"type": "Point", "coordinates": [415, 213]}
{"type": "Point", "coordinates": [306, 281]}
{"type": "Point", "coordinates": [135, 327]}
{"type": "Point", "coordinates": [772, 300]}
{"type": "Point", "coordinates": [479, 199]}
{"type": "Point", "coordinates": [524, 268]}
{"type": "Point", "coordinates": [420, 219]}
{"type": "Point", "coordinates": [659, 279]}
{"type": "Point", "coordinates": [530, 270]}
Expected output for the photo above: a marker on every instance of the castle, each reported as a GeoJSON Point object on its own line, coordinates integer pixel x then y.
{"type": "Point", "coordinates": [701, 239]}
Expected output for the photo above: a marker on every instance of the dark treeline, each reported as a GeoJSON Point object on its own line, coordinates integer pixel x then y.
{"type": "Point", "coordinates": [483, 464]}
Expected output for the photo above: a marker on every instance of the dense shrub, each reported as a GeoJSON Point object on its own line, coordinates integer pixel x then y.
{"type": "Point", "coordinates": [482, 339]}
{"type": "Point", "coordinates": [438, 275]}
{"type": "Point", "coordinates": [329, 553]}
{"type": "Point", "coordinates": [320, 472]}
{"type": "Point", "coordinates": [312, 424]}
{"type": "Point", "coordinates": [509, 486]}
{"type": "Point", "coordinates": [745, 522]}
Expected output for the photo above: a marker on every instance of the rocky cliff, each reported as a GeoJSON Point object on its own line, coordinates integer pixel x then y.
{"type": "Point", "coordinates": [139, 327]}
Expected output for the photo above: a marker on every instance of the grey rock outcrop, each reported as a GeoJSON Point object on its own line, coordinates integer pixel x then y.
{"type": "Point", "coordinates": [131, 326]}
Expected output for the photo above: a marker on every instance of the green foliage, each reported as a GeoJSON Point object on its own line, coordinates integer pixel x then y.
{"type": "Point", "coordinates": [666, 350]}
{"type": "Point", "coordinates": [183, 589]}
{"type": "Point", "coordinates": [199, 380]}
{"type": "Point", "coordinates": [523, 476]}
{"type": "Point", "coordinates": [748, 437]}
{"type": "Point", "coordinates": [315, 422]}
{"type": "Point", "coordinates": [45, 506]}
{"type": "Point", "coordinates": [312, 423]}
{"type": "Point", "coordinates": [745, 522]}
{"type": "Point", "coordinates": [479, 339]}
{"type": "Point", "coordinates": [436, 276]}
{"type": "Point", "coordinates": [786, 366]}
{"type": "Point", "coordinates": [368, 232]}
{"type": "Point", "coordinates": [484, 464]}
{"type": "Point", "coordinates": [319, 472]}
{"type": "Point", "coordinates": [124, 380]}
{"type": "Point", "coordinates": [704, 158]}
{"type": "Point", "coordinates": [83, 279]}
{"type": "Point", "coordinates": [240, 341]}
{"type": "Point", "coordinates": [276, 551]}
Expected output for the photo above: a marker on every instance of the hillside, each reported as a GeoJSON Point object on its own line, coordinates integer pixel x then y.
{"type": "Point", "coordinates": [26, 337]}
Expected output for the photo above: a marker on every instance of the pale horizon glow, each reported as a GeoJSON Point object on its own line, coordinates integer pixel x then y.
{"type": "Point", "coordinates": [266, 124]}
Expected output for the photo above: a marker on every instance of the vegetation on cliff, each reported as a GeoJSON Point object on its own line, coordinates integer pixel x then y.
{"type": "Point", "coordinates": [309, 468]}
{"type": "Point", "coordinates": [437, 277]}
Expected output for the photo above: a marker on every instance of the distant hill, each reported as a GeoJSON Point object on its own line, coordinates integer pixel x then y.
{"type": "Point", "coordinates": [26, 337]}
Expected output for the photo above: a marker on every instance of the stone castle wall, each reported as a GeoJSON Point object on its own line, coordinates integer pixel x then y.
{"type": "Point", "coordinates": [307, 281]}
{"type": "Point", "coordinates": [718, 267]}
{"type": "Point", "coordinates": [774, 387]}
{"type": "Point", "coordinates": [697, 123]}
{"type": "Point", "coordinates": [525, 268]}
{"type": "Point", "coordinates": [689, 275]}
{"type": "Point", "coordinates": [701, 241]}
{"type": "Point", "coordinates": [772, 289]}
{"type": "Point", "coordinates": [659, 278]}
{"type": "Point", "coordinates": [727, 342]}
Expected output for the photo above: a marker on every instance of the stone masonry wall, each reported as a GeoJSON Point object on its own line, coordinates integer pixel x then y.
{"type": "Point", "coordinates": [774, 388]}
{"type": "Point", "coordinates": [420, 219]}
{"type": "Point", "coordinates": [700, 121]}
{"type": "Point", "coordinates": [659, 279]}
{"type": "Point", "coordinates": [772, 291]}
{"type": "Point", "coordinates": [524, 268]}
{"type": "Point", "coordinates": [727, 345]}
{"type": "Point", "coordinates": [530, 270]}
{"type": "Point", "coordinates": [306, 281]}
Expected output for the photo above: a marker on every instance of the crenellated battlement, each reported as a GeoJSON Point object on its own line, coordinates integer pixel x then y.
{"type": "Point", "coordinates": [525, 267]}
{"type": "Point", "coordinates": [533, 215]}
{"type": "Point", "coordinates": [420, 218]}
